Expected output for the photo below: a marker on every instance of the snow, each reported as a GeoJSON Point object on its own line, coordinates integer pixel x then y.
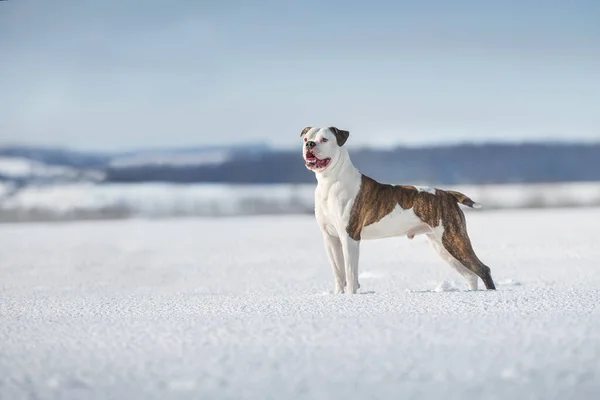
{"type": "Point", "coordinates": [212, 157]}
{"type": "Point", "coordinates": [160, 200]}
{"type": "Point", "coordinates": [5, 189]}
{"type": "Point", "coordinates": [164, 200]}
{"type": "Point", "coordinates": [241, 308]}
{"type": "Point", "coordinates": [24, 168]}
{"type": "Point", "coordinates": [17, 167]}
{"type": "Point", "coordinates": [446, 286]}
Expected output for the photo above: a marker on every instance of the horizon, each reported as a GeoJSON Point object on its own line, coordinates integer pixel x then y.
{"type": "Point", "coordinates": [350, 146]}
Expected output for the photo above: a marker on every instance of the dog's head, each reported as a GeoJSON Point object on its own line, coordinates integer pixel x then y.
{"type": "Point", "coordinates": [322, 146]}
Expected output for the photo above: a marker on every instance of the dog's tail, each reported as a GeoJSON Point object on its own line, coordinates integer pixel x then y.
{"type": "Point", "coordinates": [464, 199]}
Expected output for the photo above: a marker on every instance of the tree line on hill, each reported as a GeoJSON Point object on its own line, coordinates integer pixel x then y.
{"type": "Point", "coordinates": [461, 164]}
{"type": "Point", "coordinates": [449, 165]}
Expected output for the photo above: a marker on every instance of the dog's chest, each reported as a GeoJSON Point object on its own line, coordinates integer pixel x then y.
{"type": "Point", "coordinates": [333, 205]}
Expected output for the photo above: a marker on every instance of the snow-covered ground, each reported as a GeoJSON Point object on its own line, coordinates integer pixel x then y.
{"type": "Point", "coordinates": [239, 308]}
{"type": "Point", "coordinates": [88, 200]}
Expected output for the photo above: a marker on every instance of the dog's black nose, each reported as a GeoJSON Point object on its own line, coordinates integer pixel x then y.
{"type": "Point", "coordinates": [310, 144]}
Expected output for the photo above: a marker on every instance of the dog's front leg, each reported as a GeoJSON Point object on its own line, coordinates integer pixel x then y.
{"type": "Point", "coordinates": [351, 250]}
{"type": "Point", "coordinates": [336, 259]}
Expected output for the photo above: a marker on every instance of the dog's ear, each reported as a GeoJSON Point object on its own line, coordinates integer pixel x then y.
{"type": "Point", "coordinates": [340, 135]}
{"type": "Point", "coordinates": [308, 128]}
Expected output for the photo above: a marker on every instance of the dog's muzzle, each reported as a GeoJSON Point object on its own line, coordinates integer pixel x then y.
{"type": "Point", "coordinates": [312, 161]}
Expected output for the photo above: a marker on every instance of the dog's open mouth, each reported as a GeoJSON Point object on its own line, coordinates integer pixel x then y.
{"type": "Point", "coordinates": [313, 162]}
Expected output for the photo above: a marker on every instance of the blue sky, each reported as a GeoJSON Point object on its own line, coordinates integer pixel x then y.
{"type": "Point", "coordinates": [115, 74]}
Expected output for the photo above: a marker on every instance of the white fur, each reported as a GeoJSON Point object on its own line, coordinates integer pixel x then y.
{"type": "Point", "coordinates": [338, 185]}
{"type": "Point", "coordinates": [397, 223]}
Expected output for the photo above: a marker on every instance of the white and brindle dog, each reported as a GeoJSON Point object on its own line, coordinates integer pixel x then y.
{"type": "Point", "coordinates": [350, 207]}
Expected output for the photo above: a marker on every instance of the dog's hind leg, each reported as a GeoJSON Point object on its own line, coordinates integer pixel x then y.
{"type": "Point", "coordinates": [437, 245]}
{"type": "Point", "coordinates": [455, 240]}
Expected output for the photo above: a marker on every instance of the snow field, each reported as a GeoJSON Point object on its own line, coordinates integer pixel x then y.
{"type": "Point", "coordinates": [240, 308]}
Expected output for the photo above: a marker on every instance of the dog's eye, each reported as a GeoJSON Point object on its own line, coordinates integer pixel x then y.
{"type": "Point", "coordinates": [324, 140]}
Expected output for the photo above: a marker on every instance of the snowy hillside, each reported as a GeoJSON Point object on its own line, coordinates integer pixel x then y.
{"type": "Point", "coordinates": [25, 169]}
{"type": "Point", "coordinates": [256, 163]}
{"type": "Point", "coordinates": [240, 308]}
{"type": "Point", "coordinates": [192, 157]}
{"type": "Point", "coordinates": [87, 200]}
{"type": "Point", "coordinates": [200, 158]}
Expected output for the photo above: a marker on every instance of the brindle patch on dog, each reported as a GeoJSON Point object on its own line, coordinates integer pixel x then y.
{"type": "Point", "coordinates": [376, 200]}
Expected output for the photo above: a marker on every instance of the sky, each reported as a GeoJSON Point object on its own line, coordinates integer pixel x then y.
{"type": "Point", "coordinates": [117, 75]}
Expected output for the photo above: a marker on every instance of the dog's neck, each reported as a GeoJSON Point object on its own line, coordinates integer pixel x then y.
{"type": "Point", "coordinates": [341, 169]}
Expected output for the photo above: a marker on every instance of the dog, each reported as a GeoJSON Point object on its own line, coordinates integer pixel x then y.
{"type": "Point", "coordinates": [351, 207]}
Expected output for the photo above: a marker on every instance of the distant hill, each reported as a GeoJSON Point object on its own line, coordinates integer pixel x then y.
{"type": "Point", "coordinates": [449, 165]}
{"type": "Point", "coordinates": [57, 156]}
